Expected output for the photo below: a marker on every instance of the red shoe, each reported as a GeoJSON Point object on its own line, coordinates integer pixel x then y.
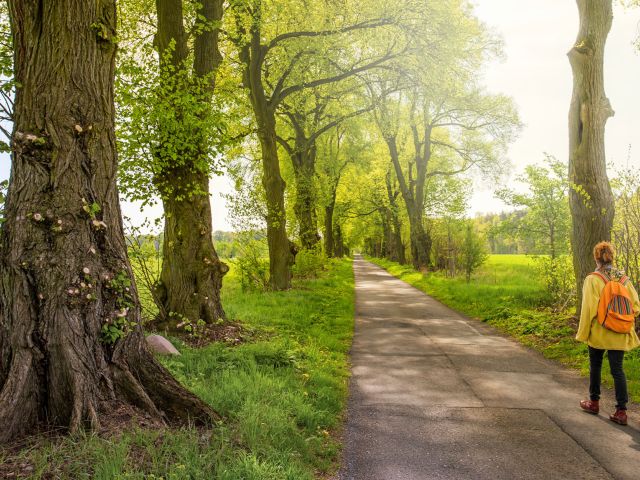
{"type": "Point", "coordinates": [590, 406]}
{"type": "Point", "coordinates": [620, 417]}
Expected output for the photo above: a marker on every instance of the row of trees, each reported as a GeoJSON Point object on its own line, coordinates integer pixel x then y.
{"type": "Point", "coordinates": [591, 200]}
{"type": "Point", "coordinates": [360, 116]}
{"type": "Point", "coordinates": [307, 79]}
{"type": "Point", "coordinates": [333, 97]}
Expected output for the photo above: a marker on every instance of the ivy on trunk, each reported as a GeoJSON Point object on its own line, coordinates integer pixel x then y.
{"type": "Point", "coordinates": [191, 276]}
{"type": "Point", "coordinates": [71, 344]}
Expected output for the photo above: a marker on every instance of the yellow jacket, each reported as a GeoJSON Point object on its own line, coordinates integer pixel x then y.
{"type": "Point", "coordinates": [594, 334]}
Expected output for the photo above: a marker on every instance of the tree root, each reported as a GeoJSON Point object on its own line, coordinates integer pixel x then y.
{"type": "Point", "coordinates": [135, 377]}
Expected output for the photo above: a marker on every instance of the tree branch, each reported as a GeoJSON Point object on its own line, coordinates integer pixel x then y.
{"type": "Point", "coordinates": [333, 79]}
{"type": "Point", "coordinates": [325, 33]}
{"type": "Point", "coordinates": [285, 145]}
{"type": "Point", "coordinates": [337, 121]}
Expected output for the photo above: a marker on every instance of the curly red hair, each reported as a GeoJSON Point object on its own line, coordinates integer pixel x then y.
{"type": "Point", "coordinates": [604, 253]}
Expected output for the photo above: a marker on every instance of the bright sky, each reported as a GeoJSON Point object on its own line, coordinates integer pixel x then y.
{"type": "Point", "coordinates": [537, 35]}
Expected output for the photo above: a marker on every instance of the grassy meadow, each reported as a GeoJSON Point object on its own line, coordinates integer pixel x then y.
{"type": "Point", "coordinates": [281, 395]}
{"type": "Point", "coordinates": [507, 293]}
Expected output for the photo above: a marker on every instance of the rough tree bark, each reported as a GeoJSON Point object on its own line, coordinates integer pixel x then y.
{"type": "Point", "coordinates": [394, 242]}
{"type": "Point", "coordinates": [64, 273]}
{"type": "Point", "coordinates": [191, 276]}
{"type": "Point", "coordinates": [281, 250]}
{"type": "Point", "coordinates": [340, 248]}
{"type": "Point", "coordinates": [302, 152]}
{"type": "Point", "coordinates": [329, 241]}
{"type": "Point", "coordinates": [591, 200]}
{"type": "Point", "coordinates": [333, 173]}
{"type": "Point", "coordinates": [413, 196]}
{"type": "Point", "coordinates": [304, 170]}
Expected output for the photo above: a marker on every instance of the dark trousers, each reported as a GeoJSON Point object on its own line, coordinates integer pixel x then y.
{"type": "Point", "coordinates": [619, 380]}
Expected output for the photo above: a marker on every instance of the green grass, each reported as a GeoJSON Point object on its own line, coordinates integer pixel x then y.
{"type": "Point", "coordinates": [282, 396]}
{"type": "Point", "coordinates": [507, 293]}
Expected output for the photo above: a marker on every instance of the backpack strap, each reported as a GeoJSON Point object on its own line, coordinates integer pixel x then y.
{"type": "Point", "coordinates": [623, 280]}
{"type": "Point", "coordinates": [602, 276]}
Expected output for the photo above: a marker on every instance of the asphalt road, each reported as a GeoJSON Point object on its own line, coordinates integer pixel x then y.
{"type": "Point", "coordinates": [435, 395]}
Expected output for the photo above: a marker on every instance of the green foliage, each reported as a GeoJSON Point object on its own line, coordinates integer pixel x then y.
{"type": "Point", "coordinates": [163, 125]}
{"type": "Point", "coordinates": [144, 246]}
{"type": "Point", "coordinates": [546, 220]}
{"type": "Point", "coordinates": [170, 126]}
{"type": "Point", "coordinates": [282, 397]}
{"type": "Point", "coordinates": [458, 246]}
{"type": "Point", "coordinates": [103, 33]}
{"type": "Point", "coordinates": [114, 330]}
{"type": "Point", "coordinates": [252, 262]}
{"type": "Point", "coordinates": [247, 204]}
{"type": "Point", "coordinates": [626, 224]}
{"type": "Point", "coordinates": [227, 244]}
{"type": "Point", "coordinates": [7, 80]}
{"type": "Point", "coordinates": [473, 252]}
{"type": "Point", "coordinates": [92, 210]}
{"type": "Point", "coordinates": [434, 125]}
{"type": "Point", "coordinates": [501, 240]}
{"type": "Point", "coordinates": [309, 263]}
{"type": "Point", "coordinates": [118, 325]}
{"type": "Point", "coordinates": [559, 279]}
{"type": "Point", "coordinates": [193, 327]}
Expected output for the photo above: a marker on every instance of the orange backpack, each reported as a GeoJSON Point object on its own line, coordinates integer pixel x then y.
{"type": "Point", "coordinates": [615, 310]}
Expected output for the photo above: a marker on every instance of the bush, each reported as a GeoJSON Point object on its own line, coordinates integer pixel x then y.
{"type": "Point", "coordinates": [253, 263]}
{"type": "Point", "coordinates": [559, 280]}
{"type": "Point", "coordinates": [309, 263]}
{"type": "Point", "coordinates": [473, 252]}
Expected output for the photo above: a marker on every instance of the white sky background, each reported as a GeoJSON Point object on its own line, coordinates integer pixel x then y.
{"type": "Point", "coordinates": [537, 35]}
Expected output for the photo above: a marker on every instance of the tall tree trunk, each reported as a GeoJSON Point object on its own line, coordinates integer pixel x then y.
{"type": "Point", "coordinates": [385, 223]}
{"type": "Point", "coordinates": [191, 276]}
{"type": "Point", "coordinates": [340, 247]}
{"type": "Point", "coordinates": [304, 170]}
{"type": "Point", "coordinates": [591, 200]}
{"type": "Point", "coordinates": [329, 210]}
{"type": "Point", "coordinates": [398, 253]}
{"type": "Point", "coordinates": [420, 240]}
{"type": "Point", "coordinates": [394, 249]}
{"type": "Point", "coordinates": [329, 242]}
{"type": "Point", "coordinates": [65, 281]}
{"type": "Point", "coordinates": [281, 249]}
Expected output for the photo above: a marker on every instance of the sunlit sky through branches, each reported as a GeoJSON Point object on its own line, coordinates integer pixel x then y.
{"type": "Point", "coordinates": [537, 34]}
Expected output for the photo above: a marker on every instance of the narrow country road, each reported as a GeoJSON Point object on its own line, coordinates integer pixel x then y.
{"type": "Point", "coordinates": [435, 395]}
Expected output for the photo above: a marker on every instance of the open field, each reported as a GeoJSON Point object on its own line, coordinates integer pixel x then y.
{"type": "Point", "coordinates": [507, 294]}
{"type": "Point", "coordinates": [281, 395]}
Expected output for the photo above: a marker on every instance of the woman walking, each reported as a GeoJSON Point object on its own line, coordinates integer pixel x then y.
{"type": "Point", "coordinates": [609, 302]}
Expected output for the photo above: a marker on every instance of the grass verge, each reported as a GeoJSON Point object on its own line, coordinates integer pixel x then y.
{"type": "Point", "coordinates": [282, 397]}
{"type": "Point", "coordinates": [507, 294]}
